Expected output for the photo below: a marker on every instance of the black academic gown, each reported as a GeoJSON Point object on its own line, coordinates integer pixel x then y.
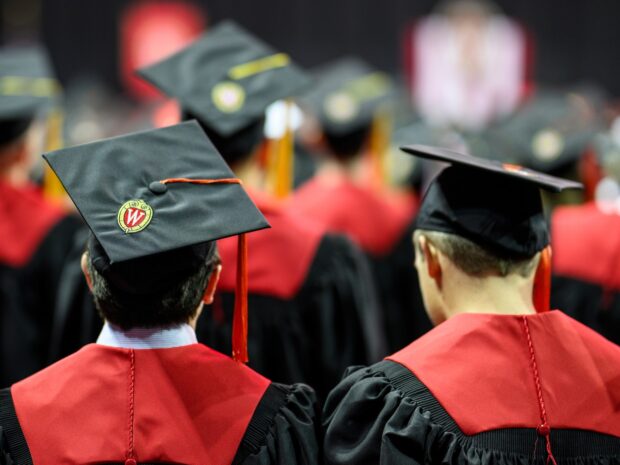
{"type": "Point", "coordinates": [312, 304]}
{"type": "Point", "coordinates": [36, 238]}
{"type": "Point", "coordinates": [586, 266]}
{"type": "Point", "coordinates": [467, 393]}
{"type": "Point", "coordinates": [185, 404]}
{"type": "Point", "coordinates": [381, 224]}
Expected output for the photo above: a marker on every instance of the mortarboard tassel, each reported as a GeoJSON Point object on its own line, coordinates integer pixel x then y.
{"type": "Point", "coordinates": [52, 187]}
{"type": "Point", "coordinates": [240, 317]}
{"type": "Point", "coordinates": [542, 282]}
{"type": "Point", "coordinates": [281, 158]}
{"type": "Point", "coordinates": [379, 145]}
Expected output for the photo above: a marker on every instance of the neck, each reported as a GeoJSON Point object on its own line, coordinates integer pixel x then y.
{"type": "Point", "coordinates": [511, 295]}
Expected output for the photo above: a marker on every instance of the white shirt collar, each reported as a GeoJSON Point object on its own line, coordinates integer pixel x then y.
{"type": "Point", "coordinates": [147, 338]}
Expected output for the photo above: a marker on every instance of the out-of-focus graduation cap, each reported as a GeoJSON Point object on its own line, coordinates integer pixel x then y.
{"type": "Point", "coordinates": [227, 78]}
{"type": "Point", "coordinates": [552, 130]}
{"type": "Point", "coordinates": [494, 204]}
{"type": "Point", "coordinates": [347, 94]}
{"type": "Point", "coordinates": [155, 201]}
{"type": "Point", "coordinates": [27, 85]}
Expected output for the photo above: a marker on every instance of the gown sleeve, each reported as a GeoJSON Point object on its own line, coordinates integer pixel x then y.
{"type": "Point", "coordinates": [284, 429]}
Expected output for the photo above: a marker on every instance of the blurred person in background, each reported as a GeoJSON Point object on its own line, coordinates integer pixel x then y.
{"type": "Point", "coordinates": [36, 234]}
{"type": "Point", "coordinates": [312, 305]}
{"type": "Point", "coordinates": [586, 248]}
{"type": "Point", "coordinates": [348, 101]}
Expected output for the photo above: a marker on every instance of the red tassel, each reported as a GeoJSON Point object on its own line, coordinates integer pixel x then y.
{"type": "Point", "coordinates": [542, 282]}
{"type": "Point", "coordinates": [240, 318]}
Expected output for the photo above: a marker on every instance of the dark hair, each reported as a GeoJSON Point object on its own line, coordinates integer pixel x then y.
{"type": "Point", "coordinates": [13, 129]}
{"type": "Point", "coordinates": [348, 145]}
{"type": "Point", "coordinates": [170, 306]}
{"type": "Point", "coordinates": [237, 146]}
{"type": "Point", "coordinates": [476, 260]}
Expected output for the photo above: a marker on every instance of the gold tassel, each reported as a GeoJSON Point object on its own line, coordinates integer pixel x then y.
{"type": "Point", "coordinates": [52, 187]}
{"type": "Point", "coordinates": [379, 145]}
{"type": "Point", "coordinates": [280, 163]}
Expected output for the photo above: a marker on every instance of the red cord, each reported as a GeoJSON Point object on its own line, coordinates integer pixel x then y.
{"type": "Point", "coordinates": [201, 181]}
{"type": "Point", "coordinates": [544, 429]}
{"type": "Point", "coordinates": [130, 459]}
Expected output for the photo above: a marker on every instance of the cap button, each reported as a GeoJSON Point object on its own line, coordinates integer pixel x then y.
{"type": "Point", "coordinates": [158, 188]}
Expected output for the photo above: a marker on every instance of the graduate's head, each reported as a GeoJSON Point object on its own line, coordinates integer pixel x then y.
{"type": "Point", "coordinates": [235, 148]}
{"type": "Point", "coordinates": [156, 202]}
{"type": "Point", "coordinates": [480, 226]}
{"type": "Point", "coordinates": [346, 97]}
{"type": "Point", "coordinates": [26, 89]}
{"type": "Point", "coordinates": [160, 290]}
{"type": "Point", "coordinates": [226, 80]}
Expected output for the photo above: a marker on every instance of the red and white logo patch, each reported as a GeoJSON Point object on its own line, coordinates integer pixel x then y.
{"type": "Point", "coordinates": [134, 216]}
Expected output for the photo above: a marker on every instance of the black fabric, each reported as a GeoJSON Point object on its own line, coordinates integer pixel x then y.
{"type": "Point", "coordinates": [331, 323]}
{"type": "Point", "coordinates": [13, 447]}
{"type": "Point", "coordinates": [589, 303]}
{"type": "Point", "coordinates": [284, 429]}
{"type": "Point", "coordinates": [497, 212]}
{"type": "Point", "coordinates": [384, 414]}
{"type": "Point", "coordinates": [28, 295]}
{"type": "Point", "coordinates": [400, 297]}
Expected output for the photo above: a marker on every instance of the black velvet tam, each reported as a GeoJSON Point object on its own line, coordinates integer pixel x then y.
{"type": "Point", "coordinates": [494, 204]}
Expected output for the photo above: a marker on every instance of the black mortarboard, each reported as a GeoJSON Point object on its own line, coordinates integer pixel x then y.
{"type": "Point", "coordinates": [26, 86]}
{"type": "Point", "coordinates": [227, 78]}
{"type": "Point", "coordinates": [347, 94]}
{"type": "Point", "coordinates": [154, 201]}
{"type": "Point", "coordinates": [493, 204]}
{"type": "Point", "coordinates": [551, 131]}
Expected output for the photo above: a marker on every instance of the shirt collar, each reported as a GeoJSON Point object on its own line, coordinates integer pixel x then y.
{"type": "Point", "coordinates": [147, 338]}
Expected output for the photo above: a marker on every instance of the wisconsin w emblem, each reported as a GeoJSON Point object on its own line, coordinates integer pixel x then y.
{"type": "Point", "coordinates": [134, 216]}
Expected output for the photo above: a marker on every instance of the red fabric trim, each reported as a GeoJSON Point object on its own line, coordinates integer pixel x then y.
{"type": "Point", "coordinates": [192, 405]}
{"type": "Point", "coordinates": [279, 258]}
{"type": "Point", "coordinates": [478, 366]}
{"type": "Point", "coordinates": [25, 219]}
{"type": "Point", "coordinates": [586, 245]}
{"type": "Point", "coordinates": [374, 220]}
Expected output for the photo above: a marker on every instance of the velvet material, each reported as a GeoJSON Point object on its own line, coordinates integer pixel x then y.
{"type": "Point", "coordinates": [187, 405]}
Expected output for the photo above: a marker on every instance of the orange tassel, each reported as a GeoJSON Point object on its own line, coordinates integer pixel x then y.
{"type": "Point", "coordinates": [542, 282]}
{"type": "Point", "coordinates": [240, 318]}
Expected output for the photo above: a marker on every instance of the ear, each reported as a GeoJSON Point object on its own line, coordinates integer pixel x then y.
{"type": "Point", "coordinates": [84, 265]}
{"type": "Point", "coordinates": [431, 259]}
{"type": "Point", "coordinates": [207, 297]}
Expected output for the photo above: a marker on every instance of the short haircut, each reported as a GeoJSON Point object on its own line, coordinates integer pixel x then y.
{"type": "Point", "coordinates": [347, 146]}
{"type": "Point", "coordinates": [169, 306]}
{"type": "Point", "coordinates": [476, 260]}
{"type": "Point", "coordinates": [238, 146]}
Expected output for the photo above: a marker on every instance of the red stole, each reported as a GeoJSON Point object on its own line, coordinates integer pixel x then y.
{"type": "Point", "coordinates": [278, 258]}
{"type": "Point", "coordinates": [478, 367]}
{"type": "Point", "coordinates": [374, 220]}
{"type": "Point", "coordinates": [586, 245]}
{"type": "Point", "coordinates": [25, 219]}
{"type": "Point", "coordinates": [190, 405]}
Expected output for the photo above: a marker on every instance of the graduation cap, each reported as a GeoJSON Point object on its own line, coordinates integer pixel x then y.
{"type": "Point", "coordinates": [552, 130]}
{"type": "Point", "coordinates": [155, 202]}
{"type": "Point", "coordinates": [347, 94]}
{"type": "Point", "coordinates": [496, 205]}
{"type": "Point", "coordinates": [227, 78]}
{"type": "Point", "coordinates": [27, 85]}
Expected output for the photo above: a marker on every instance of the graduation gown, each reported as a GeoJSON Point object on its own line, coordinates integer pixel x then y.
{"type": "Point", "coordinates": [586, 266]}
{"type": "Point", "coordinates": [312, 307]}
{"type": "Point", "coordinates": [35, 239]}
{"type": "Point", "coordinates": [475, 390]}
{"type": "Point", "coordinates": [382, 224]}
{"type": "Point", "coordinates": [185, 404]}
